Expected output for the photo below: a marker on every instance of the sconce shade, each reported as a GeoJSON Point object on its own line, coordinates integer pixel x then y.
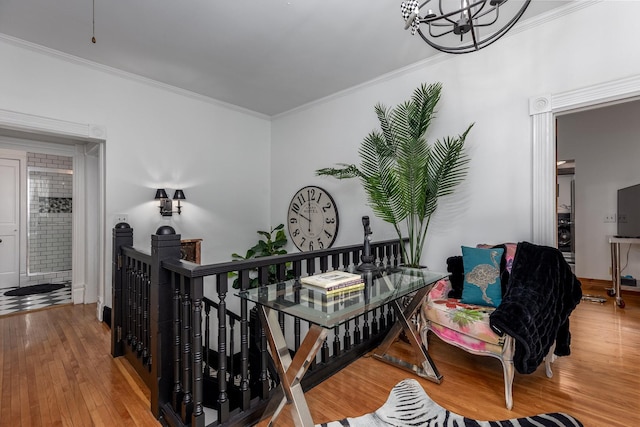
{"type": "Point", "coordinates": [179, 195]}
{"type": "Point", "coordinates": [161, 194]}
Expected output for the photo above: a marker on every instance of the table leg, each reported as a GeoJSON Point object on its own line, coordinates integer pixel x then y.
{"type": "Point", "coordinates": [427, 369]}
{"type": "Point", "coordinates": [290, 370]}
{"type": "Point", "coordinates": [616, 273]}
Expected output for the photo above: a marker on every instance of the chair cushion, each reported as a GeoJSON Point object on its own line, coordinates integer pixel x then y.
{"type": "Point", "coordinates": [467, 319]}
{"type": "Point", "coordinates": [482, 283]}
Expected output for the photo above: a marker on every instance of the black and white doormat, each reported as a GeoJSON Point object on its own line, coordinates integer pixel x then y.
{"type": "Point", "coordinates": [409, 405]}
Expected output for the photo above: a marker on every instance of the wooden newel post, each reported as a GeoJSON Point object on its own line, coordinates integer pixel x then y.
{"type": "Point", "coordinates": [122, 236]}
{"type": "Point", "coordinates": [165, 245]}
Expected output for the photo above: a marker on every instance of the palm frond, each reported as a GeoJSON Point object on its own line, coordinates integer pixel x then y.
{"type": "Point", "coordinates": [347, 171]}
{"type": "Point", "coordinates": [402, 174]}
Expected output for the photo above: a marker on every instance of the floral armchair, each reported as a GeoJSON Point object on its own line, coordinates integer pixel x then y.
{"type": "Point", "coordinates": [470, 326]}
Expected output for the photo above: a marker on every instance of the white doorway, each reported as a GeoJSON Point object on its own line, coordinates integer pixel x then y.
{"type": "Point", "coordinates": [9, 223]}
{"type": "Point", "coordinates": [85, 143]}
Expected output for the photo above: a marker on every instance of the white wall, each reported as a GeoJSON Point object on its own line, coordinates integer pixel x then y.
{"type": "Point", "coordinates": [491, 88]}
{"type": "Point", "coordinates": [605, 144]}
{"type": "Point", "coordinates": [155, 138]}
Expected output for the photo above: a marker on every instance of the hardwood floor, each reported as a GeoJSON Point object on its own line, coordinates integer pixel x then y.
{"type": "Point", "coordinates": [56, 370]}
{"type": "Point", "coordinates": [599, 383]}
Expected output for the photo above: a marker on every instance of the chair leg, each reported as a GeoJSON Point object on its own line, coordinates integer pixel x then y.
{"type": "Point", "coordinates": [548, 360]}
{"type": "Point", "coordinates": [508, 369]}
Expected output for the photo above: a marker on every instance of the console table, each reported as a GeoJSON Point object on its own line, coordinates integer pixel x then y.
{"type": "Point", "coordinates": [309, 304]}
{"type": "Point", "coordinates": [615, 267]}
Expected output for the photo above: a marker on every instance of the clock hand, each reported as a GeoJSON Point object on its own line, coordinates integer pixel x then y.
{"type": "Point", "coordinates": [305, 217]}
{"type": "Point", "coordinates": [310, 215]}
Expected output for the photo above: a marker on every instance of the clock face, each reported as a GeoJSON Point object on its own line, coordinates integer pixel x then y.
{"type": "Point", "coordinates": [313, 219]}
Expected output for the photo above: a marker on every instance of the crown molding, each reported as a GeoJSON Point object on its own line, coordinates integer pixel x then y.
{"type": "Point", "coordinates": [125, 74]}
{"type": "Point", "coordinates": [521, 26]}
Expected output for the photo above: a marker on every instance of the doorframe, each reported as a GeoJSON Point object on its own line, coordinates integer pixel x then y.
{"type": "Point", "coordinates": [87, 142]}
{"type": "Point", "coordinates": [543, 109]}
{"type": "Point", "coordinates": [21, 157]}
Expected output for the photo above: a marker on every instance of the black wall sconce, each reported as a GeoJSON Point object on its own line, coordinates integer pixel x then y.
{"type": "Point", "coordinates": [166, 204]}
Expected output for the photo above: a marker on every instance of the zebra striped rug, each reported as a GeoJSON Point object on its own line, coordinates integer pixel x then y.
{"type": "Point", "coordinates": [409, 405]}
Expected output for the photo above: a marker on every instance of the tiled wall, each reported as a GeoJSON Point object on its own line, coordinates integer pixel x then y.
{"type": "Point", "coordinates": [50, 217]}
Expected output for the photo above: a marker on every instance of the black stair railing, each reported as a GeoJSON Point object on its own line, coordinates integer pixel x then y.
{"type": "Point", "coordinates": [194, 351]}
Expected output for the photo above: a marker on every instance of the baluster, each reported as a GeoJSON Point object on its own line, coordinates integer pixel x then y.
{"type": "Point", "coordinates": [145, 318]}
{"type": "Point", "coordinates": [382, 320]}
{"type": "Point", "coordinates": [129, 293]}
{"type": "Point", "coordinates": [311, 267]}
{"type": "Point", "coordinates": [345, 260]}
{"type": "Point", "coordinates": [324, 351]}
{"type": "Point", "coordinates": [336, 341]}
{"type": "Point", "coordinates": [232, 345]}
{"type": "Point", "coordinates": [366, 331]}
{"type": "Point", "coordinates": [244, 343]}
{"type": "Point", "coordinates": [397, 255]}
{"type": "Point", "coordinates": [356, 256]}
{"type": "Point", "coordinates": [281, 287]}
{"type": "Point", "coordinates": [223, 398]}
{"type": "Point", "coordinates": [347, 336]}
{"type": "Point", "coordinates": [356, 331]}
{"type": "Point", "coordinates": [177, 347]}
{"type": "Point", "coordinates": [335, 261]}
{"type": "Point", "coordinates": [391, 261]}
{"type": "Point", "coordinates": [324, 263]}
{"type": "Point", "coordinates": [264, 359]}
{"type": "Point", "coordinates": [390, 315]}
{"type": "Point", "coordinates": [379, 252]}
{"type": "Point", "coordinates": [141, 310]}
{"type": "Point", "coordinates": [187, 397]}
{"type": "Point", "coordinates": [197, 416]}
{"type": "Point", "coordinates": [374, 322]}
{"type": "Point", "coordinates": [207, 337]}
{"type": "Point", "coordinates": [134, 316]}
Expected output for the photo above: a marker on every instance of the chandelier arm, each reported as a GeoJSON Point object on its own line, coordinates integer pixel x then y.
{"type": "Point", "coordinates": [444, 15]}
{"type": "Point", "coordinates": [438, 35]}
{"type": "Point", "coordinates": [472, 30]}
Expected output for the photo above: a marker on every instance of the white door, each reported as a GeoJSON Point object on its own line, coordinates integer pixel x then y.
{"type": "Point", "coordinates": [9, 223]}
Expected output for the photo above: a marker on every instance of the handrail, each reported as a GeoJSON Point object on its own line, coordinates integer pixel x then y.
{"type": "Point", "coordinates": [191, 270]}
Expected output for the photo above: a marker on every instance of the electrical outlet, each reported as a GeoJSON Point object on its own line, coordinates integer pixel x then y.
{"type": "Point", "coordinates": [610, 218]}
{"type": "Point", "coordinates": [121, 218]}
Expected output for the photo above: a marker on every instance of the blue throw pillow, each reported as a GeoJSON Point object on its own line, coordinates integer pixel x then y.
{"type": "Point", "coordinates": [482, 276]}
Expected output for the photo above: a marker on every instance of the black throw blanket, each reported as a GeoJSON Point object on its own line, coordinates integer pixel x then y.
{"type": "Point", "coordinates": [541, 294]}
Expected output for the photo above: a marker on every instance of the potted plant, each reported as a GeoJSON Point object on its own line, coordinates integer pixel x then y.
{"type": "Point", "coordinates": [402, 174]}
{"type": "Point", "coordinates": [270, 245]}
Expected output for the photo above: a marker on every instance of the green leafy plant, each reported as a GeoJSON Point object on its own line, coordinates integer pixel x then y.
{"type": "Point", "coordinates": [272, 244]}
{"type": "Point", "coordinates": [402, 174]}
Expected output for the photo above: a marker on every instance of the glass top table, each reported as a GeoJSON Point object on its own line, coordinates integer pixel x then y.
{"type": "Point", "coordinates": [310, 304]}
{"type": "Point", "coordinates": [325, 312]}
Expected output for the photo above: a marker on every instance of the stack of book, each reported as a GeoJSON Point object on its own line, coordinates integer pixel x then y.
{"type": "Point", "coordinates": [334, 282]}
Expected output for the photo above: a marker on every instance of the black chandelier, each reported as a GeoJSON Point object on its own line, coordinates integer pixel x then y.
{"type": "Point", "coordinates": [461, 26]}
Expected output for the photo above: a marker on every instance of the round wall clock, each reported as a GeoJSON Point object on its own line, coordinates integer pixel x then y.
{"type": "Point", "coordinates": [313, 219]}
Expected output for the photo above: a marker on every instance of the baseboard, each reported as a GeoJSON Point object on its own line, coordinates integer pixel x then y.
{"type": "Point", "coordinates": [594, 284]}
{"type": "Point", "coordinates": [77, 293]}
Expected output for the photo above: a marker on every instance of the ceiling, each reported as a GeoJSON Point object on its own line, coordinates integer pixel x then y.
{"type": "Point", "coordinates": [268, 56]}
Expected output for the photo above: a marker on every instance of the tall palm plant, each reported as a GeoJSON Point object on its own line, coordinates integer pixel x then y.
{"type": "Point", "coordinates": [402, 174]}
